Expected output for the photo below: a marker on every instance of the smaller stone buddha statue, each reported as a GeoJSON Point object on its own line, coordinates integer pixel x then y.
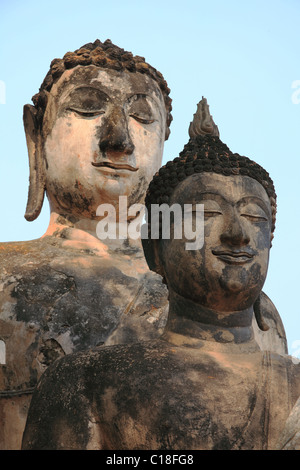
{"type": "Point", "coordinates": [204, 384]}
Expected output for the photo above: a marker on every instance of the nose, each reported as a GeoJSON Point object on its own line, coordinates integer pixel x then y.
{"type": "Point", "coordinates": [114, 133]}
{"type": "Point", "coordinates": [234, 233]}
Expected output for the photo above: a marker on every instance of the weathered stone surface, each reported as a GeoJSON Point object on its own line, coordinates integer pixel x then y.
{"type": "Point", "coordinates": [56, 300]}
{"type": "Point", "coordinates": [274, 339]}
{"type": "Point", "coordinates": [290, 437]}
{"type": "Point", "coordinates": [160, 395]}
{"type": "Point", "coordinates": [205, 383]}
{"type": "Point", "coordinates": [96, 132]}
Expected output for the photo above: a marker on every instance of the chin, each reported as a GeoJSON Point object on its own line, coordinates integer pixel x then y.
{"type": "Point", "coordinates": [230, 305]}
{"type": "Point", "coordinates": [234, 286]}
{"type": "Point", "coordinates": [229, 295]}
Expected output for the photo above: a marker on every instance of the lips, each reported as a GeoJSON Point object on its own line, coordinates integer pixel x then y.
{"type": "Point", "coordinates": [115, 166]}
{"type": "Point", "coordinates": [234, 256]}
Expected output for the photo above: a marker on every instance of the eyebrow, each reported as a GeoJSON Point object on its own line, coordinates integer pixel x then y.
{"type": "Point", "coordinates": [260, 202]}
{"type": "Point", "coordinates": [140, 95]}
{"type": "Point", "coordinates": [86, 87]}
{"type": "Point", "coordinates": [145, 95]}
{"type": "Point", "coordinates": [192, 199]}
{"type": "Point", "coordinates": [153, 101]}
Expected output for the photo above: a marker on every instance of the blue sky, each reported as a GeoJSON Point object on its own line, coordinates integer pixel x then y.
{"type": "Point", "coordinates": [242, 56]}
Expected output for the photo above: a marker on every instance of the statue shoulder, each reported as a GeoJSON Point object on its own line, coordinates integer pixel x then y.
{"type": "Point", "coordinates": [61, 413]}
{"type": "Point", "coordinates": [57, 395]}
{"type": "Point", "coordinates": [16, 251]}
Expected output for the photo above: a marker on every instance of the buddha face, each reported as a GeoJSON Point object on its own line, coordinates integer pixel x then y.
{"type": "Point", "coordinates": [228, 272]}
{"type": "Point", "coordinates": [103, 137]}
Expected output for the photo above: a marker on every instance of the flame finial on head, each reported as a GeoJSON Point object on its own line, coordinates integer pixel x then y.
{"type": "Point", "coordinates": [203, 123]}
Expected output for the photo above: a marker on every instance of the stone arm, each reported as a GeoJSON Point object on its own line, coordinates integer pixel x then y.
{"type": "Point", "coordinates": [59, 416]}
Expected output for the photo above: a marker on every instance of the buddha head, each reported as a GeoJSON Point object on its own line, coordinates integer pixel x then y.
{"type": "Point", "coordinates": [96, 130]}
{"type": "Point", "coordinates": [239, 202]}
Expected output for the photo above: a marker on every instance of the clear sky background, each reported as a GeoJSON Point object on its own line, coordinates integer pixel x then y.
{"type": "Point", "coordinates": [243, 56]}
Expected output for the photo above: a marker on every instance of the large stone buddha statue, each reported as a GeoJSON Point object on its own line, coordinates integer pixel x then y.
{"type": "Point", "coordinates": [95, 137]}
{"type": "Point", "coordinates": [205, 383]}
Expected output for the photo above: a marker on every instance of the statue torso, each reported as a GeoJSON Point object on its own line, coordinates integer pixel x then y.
{"type": "Point", "coordinates": [56, 300]}
{"type": "Point", "coordinates": [160, 396]}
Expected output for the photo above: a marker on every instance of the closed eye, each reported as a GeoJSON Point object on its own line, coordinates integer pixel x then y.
{"type": "Point", "coordinates": [255, 218]}
{"type": "Point", "coordinates": [143, 120]}
{"type": "Point", "coordinates": [208, 214]}
{"type": "Point", "coordinates": [85, 113]}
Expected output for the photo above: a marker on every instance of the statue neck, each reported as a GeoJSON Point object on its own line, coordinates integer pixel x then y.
{"type": "Point", "coordinates": [196, 324]}
{"type": "Point", "coordinates": [82, 233]}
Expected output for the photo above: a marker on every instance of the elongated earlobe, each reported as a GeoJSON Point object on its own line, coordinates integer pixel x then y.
{"type": "Point", "coordinates": [259, 314]}
{"type": "Point", "coordinates": [36, 191]}
{"type": "Point", "coordinates": [150, 248]}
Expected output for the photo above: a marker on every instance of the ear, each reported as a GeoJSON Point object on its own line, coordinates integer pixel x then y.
{"type": "Point", "coordinates": [259, 313]}
{"type": "Point", "coordinates": [36, 177]}
{"type": "Point", "coordinates": [151, 253]}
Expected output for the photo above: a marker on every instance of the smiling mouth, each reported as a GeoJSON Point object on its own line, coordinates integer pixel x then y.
{"type": "Point", "coordinates": [234, 257]}
{"type": "Point", "coordinates": [115, 166]}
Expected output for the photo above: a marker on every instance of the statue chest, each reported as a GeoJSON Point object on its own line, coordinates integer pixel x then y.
{"type": "Point", "coordinates": [188, 405]}
{"type": "Point", "coordinates": [51, 305]}
{"type": "Point", "coordinates": [203, 420]}
{"type": "Point", "coordinates": [50, 310]}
